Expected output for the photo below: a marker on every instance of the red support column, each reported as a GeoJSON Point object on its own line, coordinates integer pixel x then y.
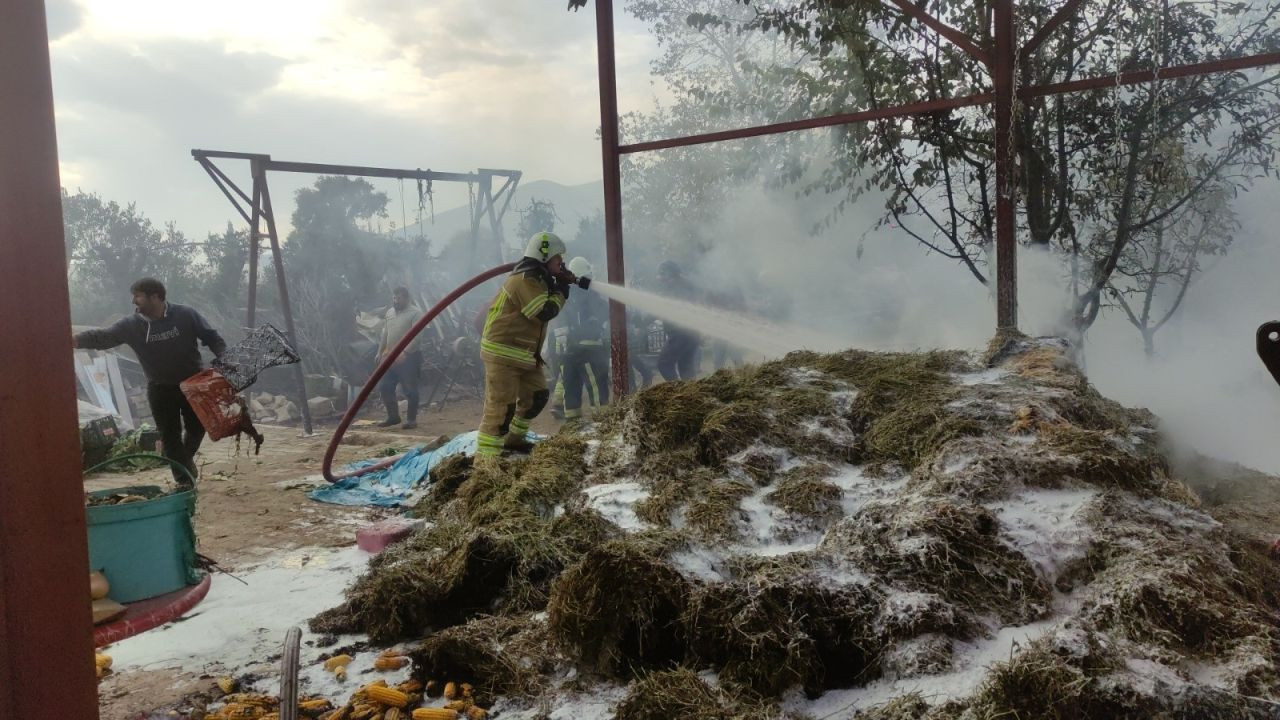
{"type": "Point", "coordinates": [46, 631]}
{"type": "Point", "coordinates": [612, 193]}
{"type": "Point", "coordinates": [1006, 221]}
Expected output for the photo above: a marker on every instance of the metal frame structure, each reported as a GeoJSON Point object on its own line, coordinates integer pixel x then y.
{"type": "Point", "coordinates": [256, 209]}
{"type": "Point", "coordinates": [999, 58]}
{"type": "Point", "coordinates": [46, 628]}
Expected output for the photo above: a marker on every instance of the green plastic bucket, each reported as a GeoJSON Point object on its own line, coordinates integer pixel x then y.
{"type": "Point", "coordinates": [145, 548]}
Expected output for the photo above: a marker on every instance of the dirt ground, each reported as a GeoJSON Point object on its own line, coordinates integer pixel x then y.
{"type": "Point", "coordinates": [250, 506]}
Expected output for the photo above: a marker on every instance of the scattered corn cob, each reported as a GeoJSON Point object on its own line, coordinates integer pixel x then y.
{"type": "Point", "coordinates": [467, 690]}
{"type": "Point", "coordinates": [364, 711]}
{"type": "Point", "coordinates": [450, 690]}
{"type": "Point", "coordinates": [227, 685]}
{"type": "Point", "coordinates": [341, 673]}
{"type": "Point", "coordinates": [387, 696]}
{"type": "Point", "coordinates": [392, 662]}
{"type": "Point", "coordinates": [433, 689]}
{"type": "Point", "coordinates": [101, 660]}
{"type": "Point", "coordinates": [336, 662]}
{"type": "Point", "coordinates": [410, 686]}
{"type": "Point", "coordinates": [259, 699]}
{"type": "Point", "coordinates": [459, 705]}
{"type": "Point", "coordinates": [315, 706]}
{"type": "Point", "coordinates": [380, 682]}
{"type": "Point", "coordinates": [434, 714]}
{"type": "Point", "coordinates": [391, 652]}
{"type": "Point", "coordinates": [475, 712]}
{"type": "Point", "coordinates": [342, 713]}
{"type": "Point", "coordinates": [395, 714]}
{"type": "Point", "coordinates": [241, 710]}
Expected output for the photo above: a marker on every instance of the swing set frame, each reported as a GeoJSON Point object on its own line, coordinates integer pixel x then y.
{"type": "Point", "coordinates": [256, 209]}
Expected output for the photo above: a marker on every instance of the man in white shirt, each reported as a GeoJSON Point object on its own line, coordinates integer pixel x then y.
{"type": "Point", "coordinates": [400, 318]}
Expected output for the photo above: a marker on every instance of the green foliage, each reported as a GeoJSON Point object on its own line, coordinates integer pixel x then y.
{"type": "Point", "coordinates": [538, 216]}
{"type": "Point", "coordinates": [109, 246]}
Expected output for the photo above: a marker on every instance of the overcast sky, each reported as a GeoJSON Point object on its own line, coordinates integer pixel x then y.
{"type": "Point", "coordinates": [442, 84]}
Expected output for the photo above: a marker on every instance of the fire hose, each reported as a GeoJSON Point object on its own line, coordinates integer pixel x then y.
{"type": "Point", "coordinates": [385, 365]}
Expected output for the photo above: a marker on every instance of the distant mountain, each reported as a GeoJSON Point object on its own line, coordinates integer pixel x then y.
{"type": "Point", "coordinates": [572, 203]}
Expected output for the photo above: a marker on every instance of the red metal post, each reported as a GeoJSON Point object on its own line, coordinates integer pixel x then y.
{"type": "Point", "coordinates": [612, 193]}
{"type": "Point", "coordinates": [46, 631]}
{"type": "Point", "coordinates": [1006, 222]}
{"type": "Point", "coordinates": [283, 284]}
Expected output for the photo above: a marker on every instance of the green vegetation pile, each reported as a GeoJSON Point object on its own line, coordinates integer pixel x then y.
{"type": "Point", "coordinates": [824, 534]}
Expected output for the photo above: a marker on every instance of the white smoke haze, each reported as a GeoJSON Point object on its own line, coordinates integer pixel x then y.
{"type": "Point", "coordinates": [851, 286]}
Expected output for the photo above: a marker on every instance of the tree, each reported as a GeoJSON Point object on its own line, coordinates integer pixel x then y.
{"type": "Point", "coordinates": [226, 255]}
{"type": "Point", "coordinates": [1088, 165]}
{"type": "Point", "coordinates": [538, 216]}
{"type": "Point", "coordinates": [334, 265]}
{"type": "Point", "coordinates": [1168, 262]}
{"type": "Point", "coordinates": [110, 246]}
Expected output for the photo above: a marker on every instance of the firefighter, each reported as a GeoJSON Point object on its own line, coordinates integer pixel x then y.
{"type": "Point", "coordinates": [515, 388]}
{"type": "Point", "coordinates": [679, 357]}
{"type": "Point", "coordinates": [586, 355]}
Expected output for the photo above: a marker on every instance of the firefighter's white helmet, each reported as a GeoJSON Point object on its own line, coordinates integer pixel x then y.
{"type": "Point", "coordinates": [543, 246]}
{"type": "Point", "coordinates": [580, 266]}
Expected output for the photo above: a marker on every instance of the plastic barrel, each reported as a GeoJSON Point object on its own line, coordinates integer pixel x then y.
{"type": "Point", "coordinates": [145, 548]}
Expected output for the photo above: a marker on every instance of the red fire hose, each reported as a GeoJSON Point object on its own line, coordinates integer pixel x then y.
{"type": "Point", "coordinates": [372, 382]}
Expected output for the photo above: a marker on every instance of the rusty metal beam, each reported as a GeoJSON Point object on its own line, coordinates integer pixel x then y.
{"type": "Point", "coordinates": [208, 167]}
{"type": "Point", "coordinates": [46, 631]}
{"type": "Point", "coordinates": [1140, 76]}
{"type": "Point", "coordinates": [957, 38]}
{"type": "Point", "coordinates": [255, 251]}
{"type": "Point", "coordinates": [610, 153]}
{"type": "Point", "coordinates": [1064, 13]}
{"type": "Point", "coordinates": [282, 284]}
{"type": "Point", "coordinates": [918, 108]}
{"type": "Point", "coordinates": [1006, 211]}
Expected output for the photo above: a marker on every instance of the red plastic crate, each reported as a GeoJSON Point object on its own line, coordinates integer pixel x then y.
{"type": "Point", "coordinates": [215, 402]}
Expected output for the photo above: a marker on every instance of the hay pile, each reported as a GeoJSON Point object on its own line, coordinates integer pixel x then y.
{"type": "Point", "coordinates": [823, 536]}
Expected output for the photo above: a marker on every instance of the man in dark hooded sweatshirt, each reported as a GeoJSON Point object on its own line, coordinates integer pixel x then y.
{"type": "Point", "coordinates": [163, 335]}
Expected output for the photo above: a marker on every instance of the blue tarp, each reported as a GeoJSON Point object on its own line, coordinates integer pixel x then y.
{"type": "Point", "coordinates": [393, 485]}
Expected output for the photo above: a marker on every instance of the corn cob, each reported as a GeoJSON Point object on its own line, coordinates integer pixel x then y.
{"type": "Point", "coordinates": [341, 673]}
{"type": "Point", "coordinates": [227, 685]}
{"type": "Point", "coordinates": [434, 714]}
{"type": "Point", "coordinates": [433, 689]}
{"type": "Point", "coordinates": [380, 682]}
{"type": "Point", "coordinates": [475, 712]}
{"type": "Point", "coordinates": [410, 686]}
{"type": "Point", "coordinates": [391, 652]}
{"type": "Point", "coordinates": [342, 713]}
{"type": "Point", "coordinates": [459, 705]}
{"type": "Point", "coordinates": [450, 690]}
{"type": "Point", "coordinates": [336, 662]}
{"type": "Point", "coordinates": [259, 699]}
{"type": "Point", "coordinates": [387, 696]}
{"type": "Point", "coordinates": [466, 690]}
{"type": "Point", "coordinates": [393, 662]}
{"type": "Point", "coordinates": [314, 706]}
{"type": "Point", "coordinates": [101, 660]}
{"type": "Point", "coordinates": [363, 711]}
{"type": "Point", "coordinates": [241, 710]}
